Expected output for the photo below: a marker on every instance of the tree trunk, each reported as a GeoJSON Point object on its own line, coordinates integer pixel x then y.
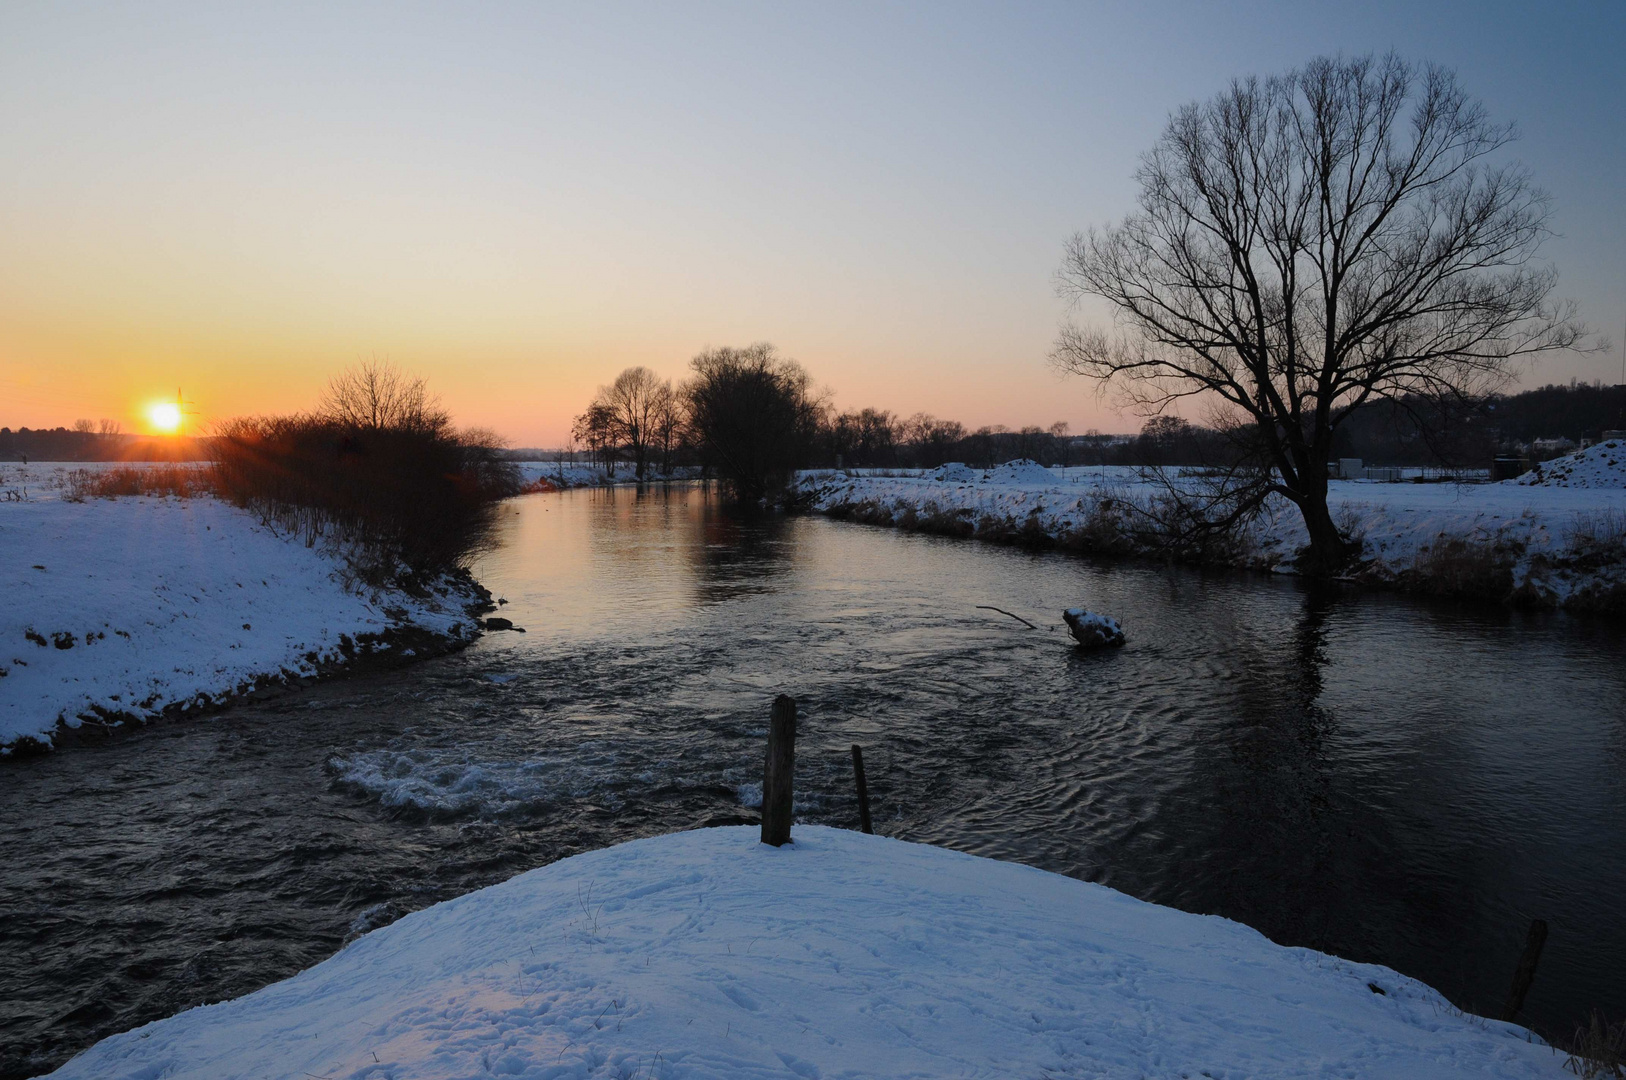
{"type": "Point", "coordinates": [1329, 551]}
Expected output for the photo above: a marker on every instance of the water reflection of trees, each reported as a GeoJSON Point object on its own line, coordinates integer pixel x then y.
{"type": "Point", "coordinates": [738, 552]}
{"type": "Point", "coordinates": [1269, 792]}
{"type": "Point", "coordinates": [649, 531]}
{"type": "Point", "coordinates": [1307, 838]}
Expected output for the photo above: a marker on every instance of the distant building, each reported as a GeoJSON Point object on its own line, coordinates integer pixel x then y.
{"type": "Point", "coordinates": [1552, 447]}
{"type": "Point", "coordinates": [1506, 468]}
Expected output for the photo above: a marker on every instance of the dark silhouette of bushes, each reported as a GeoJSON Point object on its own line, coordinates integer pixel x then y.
{"type": "Point", "coordinates": [409, 497]}
{"type": "Point", "coordinates": [752, 416]}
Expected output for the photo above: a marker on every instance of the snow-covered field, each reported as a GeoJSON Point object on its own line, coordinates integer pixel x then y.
{"type": "Point", "coordinates": [1557, 542]}
{"type": "Point", "coordinates": [709, 954]}
{"type": "Point", "coordinates": [130, 606]}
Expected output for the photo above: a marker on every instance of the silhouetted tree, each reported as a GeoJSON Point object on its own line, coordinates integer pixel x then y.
{"type": "Point", "coordinates": [931, 440]}
{"type": "Point", "coordinates": [752, 415]}
{"type": "Point", "coordinates": [376, 395]}
{"type": "Point", "coordinates": [634, 401]}
{"type": "Point", "coordinates": [667, 418]}
{"type": "Point", "coordinates": [1059, 432]}
{"type": "Point", "coordinates": [865, 438]}
{"type": "Point", "coordinates": [1309, 244]}
{"type": "Point", "coordinates": [596, 430]}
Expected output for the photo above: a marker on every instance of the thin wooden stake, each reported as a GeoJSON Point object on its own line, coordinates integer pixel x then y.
{"type": "Point", "coordinates": [863, 789]}
{"type": "Point", "coordinates": [1526, 974]}
{"type": "Point", "coordinates": [778, 772]}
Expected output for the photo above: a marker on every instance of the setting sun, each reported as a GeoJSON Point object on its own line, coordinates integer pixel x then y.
{"type": "Point", "coordinates": [165, 416]}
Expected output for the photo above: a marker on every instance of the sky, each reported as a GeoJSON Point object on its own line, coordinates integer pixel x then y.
{"type": "Point", "coordinates": [517, 200]}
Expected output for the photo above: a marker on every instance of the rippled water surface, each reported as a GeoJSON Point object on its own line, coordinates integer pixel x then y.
{"type": "Point", "coordinates": [1387, 780]}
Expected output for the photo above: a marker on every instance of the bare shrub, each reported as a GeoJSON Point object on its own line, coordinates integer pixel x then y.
{"type": "Point", "coordinates": [410, 502]}
{"type": "Point", "coordinates": [1461, 567]}
{"type": "Point", "coordinates": [940, 522]}
{"type": "Point", "coordinates": [181, 481]}
{"type": "Point", "coordinates": [377, 396]}
{"type": "Point", "coordinates": [1601, 532]}
{"type": "Point", "coordinates": [1598, 1049]}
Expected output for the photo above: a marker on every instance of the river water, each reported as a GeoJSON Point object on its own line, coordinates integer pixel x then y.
{"type": "Point", "coordinates": [1379, 778]}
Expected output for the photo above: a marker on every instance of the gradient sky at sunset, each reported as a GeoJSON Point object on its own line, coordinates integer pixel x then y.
{"type": "Point", "coordinates": [518, 200]}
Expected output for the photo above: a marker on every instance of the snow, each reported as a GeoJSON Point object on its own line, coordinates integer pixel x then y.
{"type": "Point", "coordinates": [953, 473]}
{"type": "Point", "coordinates": [145, 603]}
{"type": "Point", "coordinates": [1600, 466]}
{"type": "Point", "coordinates": [1021, 471]}
{"type": "Point", "coordinates": [1092, 630]}
{"type": "Point", "coordinates": [709, 954]}
{"type": "Point", "coordinates": [1400, 523]}
{"type": "Point", "coordinates": [548, 475]}
{"type": "Point", "coordinates": [554, 476]}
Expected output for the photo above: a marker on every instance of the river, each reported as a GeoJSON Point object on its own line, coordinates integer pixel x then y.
{"type": "Point", "coordinates": [1388, 780]}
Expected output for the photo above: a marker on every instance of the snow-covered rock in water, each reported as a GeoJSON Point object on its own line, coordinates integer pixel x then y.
{"type": "Point", "coordinates": [1021, 471]}
{"type": "Point", "coordinates": [1601, 466]}
{"type": "Point", "coordinates": [710, 954]}
{"type": "Point", "coordinates": [1091, 630]}
{"type": "Point", "coordinates": [953, 473]}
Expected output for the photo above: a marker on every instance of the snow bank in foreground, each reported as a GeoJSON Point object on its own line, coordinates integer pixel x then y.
{"type": "Point", "coordinates": [708, 954]}
{"type": "Point", "coordinates": [1601, 466]}
{"type": "Point", "coordinates": [132, 605]}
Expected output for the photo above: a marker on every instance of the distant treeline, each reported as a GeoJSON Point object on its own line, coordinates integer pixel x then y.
{"type": "Point", "coordinates": [1532, 423]}
{"type": "Point", "coordinates": [750, 416]}
{"type": "Point", "coordinates": [648, 426]}
{"type": "Point", "coordinates": [79, 444]}
{"type": "Point", "coordinates": [1538, 424]}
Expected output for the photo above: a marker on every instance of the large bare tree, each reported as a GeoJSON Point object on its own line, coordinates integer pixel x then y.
{"type": "Point", "coordinates": [1306, 245]}
{"type": "Point", "coordinates": [635, 400]}
{"type": "Point", "coordinates": [636, 415]}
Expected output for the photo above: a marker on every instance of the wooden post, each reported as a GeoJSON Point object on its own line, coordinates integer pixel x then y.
{"type": "Point", "coordinates": [863, 790]}
{"type": "Point", "coordinates": [1526, 974]}
{"type": "Point", "coordinates": [778, 772]}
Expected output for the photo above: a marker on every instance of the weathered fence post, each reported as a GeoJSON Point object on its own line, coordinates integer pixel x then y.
{"type": "Point", "coordinates": [863, 789]}
{"type": "Point", "coordinates": [1526, 973]}
{"type": "Point", "coordinates": [778, 772]}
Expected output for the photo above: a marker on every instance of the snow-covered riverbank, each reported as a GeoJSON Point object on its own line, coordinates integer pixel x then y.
{"type": "Point", "coordinates": [1543, 544]}
{"type": "Point", "coordinates": [559, 476]}
{"type": "Point", "coordinates": [708, 954]}
{"type": "Point", "coordinates": [130, 607]}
